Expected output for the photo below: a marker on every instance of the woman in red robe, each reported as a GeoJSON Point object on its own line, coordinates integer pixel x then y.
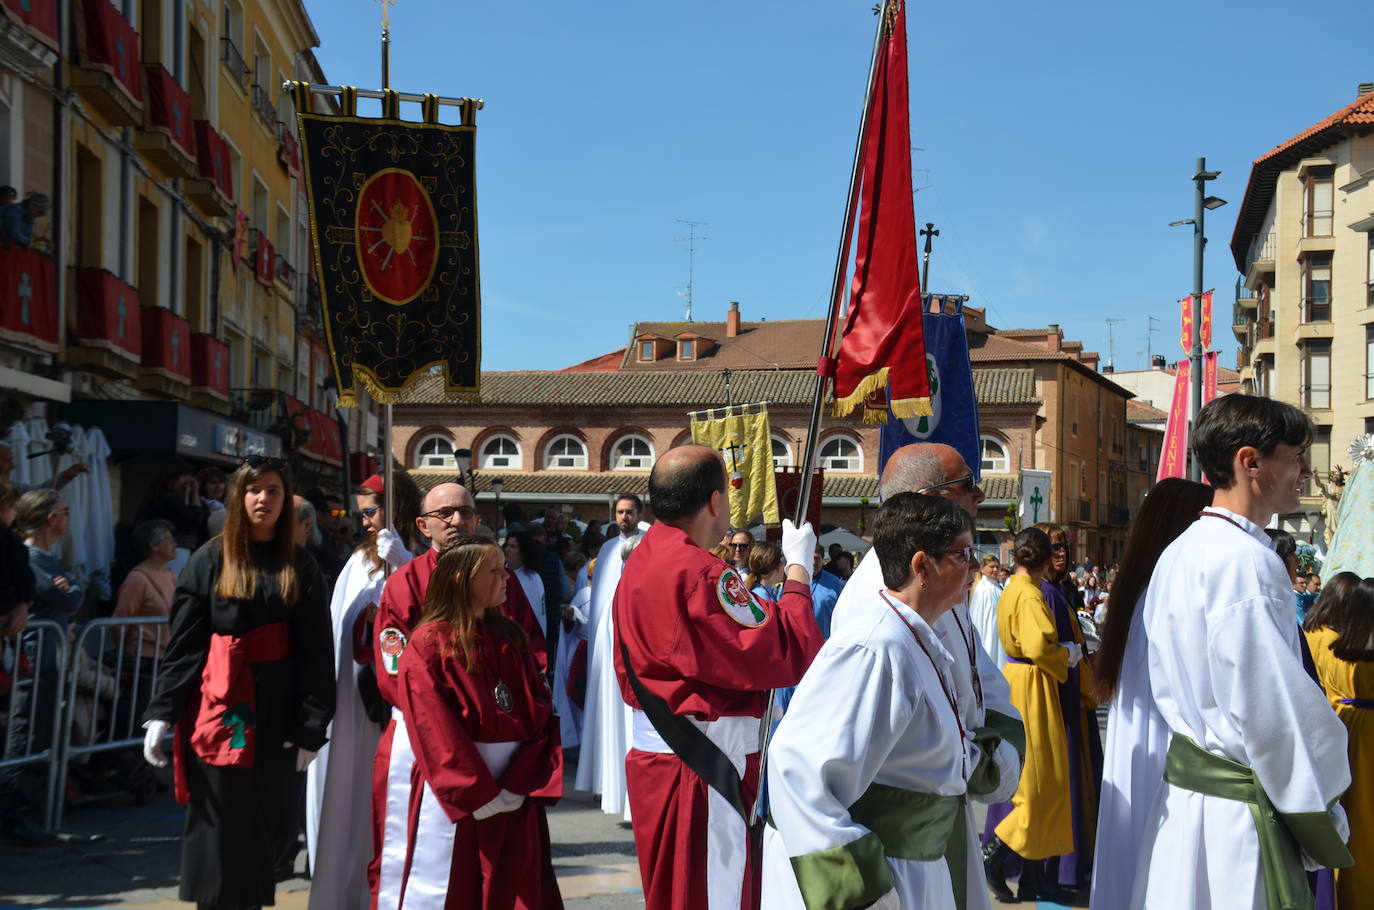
{"type": "Point", "coordinates": [488, 759]}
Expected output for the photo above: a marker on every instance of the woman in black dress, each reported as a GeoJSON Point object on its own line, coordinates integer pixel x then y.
{"type": "Point", "coordinates": [248, 683]}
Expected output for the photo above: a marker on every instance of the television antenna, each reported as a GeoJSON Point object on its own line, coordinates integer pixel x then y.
{"type": "Point", "coordinates": [691, 240]}
{"type": "Point", "coordinates": [1111, 341]}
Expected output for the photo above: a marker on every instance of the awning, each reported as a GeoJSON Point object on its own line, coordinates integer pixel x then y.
{"type": "Point", "coordinates": [171, 428]}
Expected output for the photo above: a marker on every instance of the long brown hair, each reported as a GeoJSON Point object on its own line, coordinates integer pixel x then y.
{"type": "Point", "coordinates": [238, 573]}
{"type": "Point", "coordinates": [1346, 607]}
{"type": "Point", "coordinates": [449, 599]}
{"type": "Point", "coordinates": [1169, 508]}
{"type": "Point", "coordinates": [764, 559]}
{"type": "Point", "coordinates": [405, 505]}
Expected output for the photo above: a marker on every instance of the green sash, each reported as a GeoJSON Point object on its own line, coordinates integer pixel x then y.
{"type": "Point", "coordinates": [1281, 837]}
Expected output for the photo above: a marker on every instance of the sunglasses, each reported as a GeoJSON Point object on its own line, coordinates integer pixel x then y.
{"type": "Point", "coordinates": [1059, 547]}
{"type": "Point", "coordinates": [963, 484]}
{"type": "Point", "coordinates": [263, 461]}
{"type": "Point", "coordinates": [739, 546]}
{"type": "Point", "coordinates": [446, 513]}
{"type": "Point", "coordinates": [965, 553]}
{"type": "Point", "coordinates": [370, 511]}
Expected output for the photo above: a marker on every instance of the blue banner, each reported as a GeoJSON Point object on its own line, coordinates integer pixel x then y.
{"type": "Point", "coordinates": [954, 421]}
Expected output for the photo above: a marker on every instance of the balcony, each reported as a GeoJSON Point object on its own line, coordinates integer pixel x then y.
{"type": "Point", "coordinates": [1118, 516]}
{"type": "Point", "coordinates": [108, 337]}
{"type": "Point", "coordinates": [1261, 258]}
{"type": "Point", "coordinates": [302, 429]}
{"type": "Point", "coordinates": [289, 150]}
{"type": "Point", "coordinates": [166, 366]}
{"type": "Point", "coordinates": [167, 139]}
{"type": "Point", "coordinates": [1080, 511]}
{"type": "Point", "coordinates": [28, 299]}
{"type": "Point", "coordinates": [29, 33]}
{"type": "Point", "coordinates": [265, 261]}
{"type": "Point", "coordinates": [262, 104]}
{"type": "Point", "coordinates": [233, 61]}
{"type": "Point", "coordinates": [209, 372]}
{"type": "Point", "coordinates": [213, 190]}
{"type": "Point", "coordinates": [106, 72]}
{"type": "Point", "coordinates": [286, 275]}
{"type": "Point", "coordinates": [311, 318]}
{"type": "Point", "coordinates": [1316, 309]}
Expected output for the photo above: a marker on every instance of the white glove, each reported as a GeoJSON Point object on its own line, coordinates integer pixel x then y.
{"type": "Point", "coordinates": [155, 732]}
{"type": "Point", "coordinates": [888, 901]}
{"type": "Point", "coordinates": [390, 548]}
{"type": "Point", "coordinates": [505, 801]}
{"type": "Point", "coordinates": [1008, 763]}
{"type": "Point", "coordinates": [1075, 652]}
{"type": "Point", "coordinates": [798, 544]}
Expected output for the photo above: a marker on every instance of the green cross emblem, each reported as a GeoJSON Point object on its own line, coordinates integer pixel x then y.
{"type": "Point", "coordinates": [754, 611]}
{"type": "Point", "coordinates": [25, 297]}
{"type": "Point", "coordinates": [176, 348]}
{"type": "Point", "coordinates": [1036, 500]}
{"type": "Point", "coordinates": [923, 423]}
{"type": "Point", "coordinates": [239, 719]}
{"type": "Point", "coordinates": [122, 310]}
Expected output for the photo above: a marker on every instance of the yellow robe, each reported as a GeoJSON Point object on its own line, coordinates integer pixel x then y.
{"type": "Point", "coordinates": [1352, 680]}
{"type": "Point", "coordinates": [1041, 821]}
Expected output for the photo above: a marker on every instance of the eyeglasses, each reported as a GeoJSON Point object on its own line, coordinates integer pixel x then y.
{"type": "Point", "coordinates": [446, 513]}
{"type": "Point", "coordinates": [964, 484]}
{"type": "Point", "coordinates": [965, 553]}
{"type": "Point", "coordinates": [371, 511]}
{"type": "Point", "coordinates": [1059, 547]}
{"type": "Point", "coordinates": [263, 461]}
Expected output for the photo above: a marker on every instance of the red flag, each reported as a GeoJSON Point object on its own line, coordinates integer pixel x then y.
{"type": "Point", "coordinates": [1206, 327]}
{"type": "Point", "coordinates": [1173, 460]}
{"type": "Point", "coordinates": [1209, 376]}
{"type": "Point", "coordinates": [1186, 333]}
{"type": "Point", "coordinates": [883, 345]}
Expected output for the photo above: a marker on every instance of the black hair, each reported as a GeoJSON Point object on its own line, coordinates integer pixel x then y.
{"type": "Point", "coordinates": [683, 488]}
{"type": "Point", "coordinates": [1032, 548]}
{"type": "Point", "coordinates": [911, 523]}
{"type": "Point", "coordinates": [1346, 607]}
{"type": "Point", "coordinates": [531, 550]}
{"type": "Point", "coordinates": [1284, 544]}
{"type": "Point", "coordinates": [639, 503]}
{"type": "Point", "coordinates": [1228, 423]}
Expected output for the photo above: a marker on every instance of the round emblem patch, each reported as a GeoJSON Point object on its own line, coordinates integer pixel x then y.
{"type": "Point", "coordinates": [397, 235]}
{"type": "Point", "coordinates": [741, 606]}
{"type": "Point", "coordinates": [392, 642]}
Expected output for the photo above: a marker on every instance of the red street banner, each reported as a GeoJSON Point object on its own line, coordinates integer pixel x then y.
{"type": "Point", "coordinates": [882, 349]}
{"type": "Point", "coordinates": [1186, 334]}
{"type": "Point", "coordinates": [1173, 461]}
{"type": "Point", "coordinates": [1206, 328]}
{"type": "Point", "coordinates": [1209, 376]}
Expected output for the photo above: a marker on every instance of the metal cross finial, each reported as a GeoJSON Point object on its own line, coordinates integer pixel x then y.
{"type": "Point", "coordinates": [929, 233]}
{"type": "Point", "coordinates": [386, 14]}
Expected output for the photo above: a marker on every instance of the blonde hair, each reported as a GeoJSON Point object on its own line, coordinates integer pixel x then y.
{"type": "Point", "coordinates": [238, 573]}
{"type": "Point", "coordinates": [449, 599]}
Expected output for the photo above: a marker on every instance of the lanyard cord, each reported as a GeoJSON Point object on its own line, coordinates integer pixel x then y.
{"type": "Point", "coordinates": [972, 661]}
{"type": "Point", "coordinates": [1226, 518]}
{"type": "Point", "coordinates": [949, 697]}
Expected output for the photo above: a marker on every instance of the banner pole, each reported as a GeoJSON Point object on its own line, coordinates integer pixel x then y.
{"type": "Point", "coordinates": [813, 428]}
{"type": "Point", "coordinates": [388, 495]}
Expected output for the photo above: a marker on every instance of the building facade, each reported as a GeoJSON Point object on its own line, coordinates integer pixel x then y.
{"type": "Point", "coordinates": [1304, 309]}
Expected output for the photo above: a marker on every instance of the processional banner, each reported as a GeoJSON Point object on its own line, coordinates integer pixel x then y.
{"type": "Point", "coordinates": [393, 220]}
{"type": "Point", "coordinates": [1173, 460]}
{"type": "Point", "coordinates": [741, 434]}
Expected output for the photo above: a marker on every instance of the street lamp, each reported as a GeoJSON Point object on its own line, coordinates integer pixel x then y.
{"type": "Point", "coordinates": [1203, 204]}
{"type": "Point", "coordinates": [497, 485]}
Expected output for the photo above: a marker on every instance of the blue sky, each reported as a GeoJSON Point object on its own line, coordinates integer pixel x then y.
{"type": "Point", "coordinates": [1057, 142]}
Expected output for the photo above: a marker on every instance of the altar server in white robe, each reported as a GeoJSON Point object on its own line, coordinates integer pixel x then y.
{"type": "Point", "coordinates": [1137, 737]}
{"type": "Point", "coordinates": [338, 784]}
{"type": "Point", "coordinates": [982, 691]}
{"type": "Point", "coordinates": [1254, 742]}
{"type": "Point", "coordinates": [982, 608]}
{"type": "Point", "coordinates": [868, 766]}
{"type": "Point", "coordinates": [606, 719]}
{"type": "Point", "coordinates": [575, 631]}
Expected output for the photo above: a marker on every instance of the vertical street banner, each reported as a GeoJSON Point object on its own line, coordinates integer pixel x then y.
{"type": "Point", "coordinates": [1035, 497]}
{"type": "Point", "coordinates": [1209, 376]}
{"type": "Point", "coordinates": [1185, 336]}
{"type": "Point", "coordinates": [393, 220]}
{"type": "Point", "coordinates": [741, 434]}
{"type": "Point", "coordinates": [953, 418]}
{"type": "Point", "coordinates": [1205, 329]}
{"type": "Point", "coordinates": [882, 349]}
{"type": "Point", "coordinates": [1173, 460]}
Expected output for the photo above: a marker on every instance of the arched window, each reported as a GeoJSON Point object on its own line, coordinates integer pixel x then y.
{"type": "Point", "coordinates": [566, 453]}
{"type": "Point", "coordinates": [782, 452]}
{"type": "Point", "coordinates": [840, 453]}
{"type": "Point", "coordinates": [633, 453]}
{"type": "Point", "coordinates": [435, 452]}
{"type": "Point", "coordinates": [994, 455]}
{"type": "Point", "coordinates": [500, 452]}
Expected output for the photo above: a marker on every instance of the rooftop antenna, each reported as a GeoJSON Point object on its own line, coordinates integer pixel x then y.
{"type": "Point", "coordinates": [1149, 337]}
{"type": "Point", "coordinates": [691, 241]}
{"type": "Point", "coordinates": [1111, 342]}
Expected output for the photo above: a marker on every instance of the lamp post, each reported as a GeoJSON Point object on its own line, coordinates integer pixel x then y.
{"type": "Point", "coordinates": [1201, 205]}
{"type": "Point", "coordinates": [497, 485]}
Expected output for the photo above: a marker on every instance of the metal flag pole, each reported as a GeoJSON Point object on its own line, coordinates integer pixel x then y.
{"type": "Point", "coordinates": [813, 428]}
{"type": "Point", "coordinates": [388, 494]}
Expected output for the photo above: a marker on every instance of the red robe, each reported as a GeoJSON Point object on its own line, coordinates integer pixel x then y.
{"type": "Point", "coordinates": [403, 600]}
{"type": "Point", "coordinates": [470, 743]}
{"type": "Point", "coordinates": [699, 640]}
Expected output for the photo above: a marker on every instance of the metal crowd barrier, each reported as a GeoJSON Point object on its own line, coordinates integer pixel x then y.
{"type": "Point", "coordinates": [108, 653]}
{"type": "Point", "coordinates": [34, 730]}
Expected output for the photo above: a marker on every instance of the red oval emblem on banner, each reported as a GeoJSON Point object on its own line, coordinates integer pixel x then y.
{"type": "Point", "coordinates": [397, 235]}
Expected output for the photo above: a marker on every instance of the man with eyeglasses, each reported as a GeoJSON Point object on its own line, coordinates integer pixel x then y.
{"type": "Point", "coordinates": [982, 693]}
{"type": "Point", "coordinates": [449, 514]}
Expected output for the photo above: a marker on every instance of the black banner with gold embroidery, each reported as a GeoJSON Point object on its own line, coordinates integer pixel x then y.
{"type": "Point", "coordinates": [393, 220]}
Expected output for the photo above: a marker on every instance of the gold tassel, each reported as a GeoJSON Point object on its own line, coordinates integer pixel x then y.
{"type": "Point", "coordinates": [867, 386]}
{"type": "Point", "coordinates": [912, 407]}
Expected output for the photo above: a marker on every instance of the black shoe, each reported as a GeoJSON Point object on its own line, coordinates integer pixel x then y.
{"type": "Point", "coordinates": [1035, 887]}
{"type": "Point", "coordinates": [995, 855]}
{"type": "Point", "coordinates": [23, 833]}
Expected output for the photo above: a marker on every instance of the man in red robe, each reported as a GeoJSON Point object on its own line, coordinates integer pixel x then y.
{"type": "Point", "coordinates": [449, 513]}
{"type": "Point", "coordinates": [692, 638]}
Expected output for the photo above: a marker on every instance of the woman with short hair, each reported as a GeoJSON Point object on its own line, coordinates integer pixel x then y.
{"type": "Point", "coordinates": [248, 684]}
{"type": "Point", "coordinates": [42, 519]}
{"type": "Point", "coordinates": [148, 588]}
{"type": "Point", "coordinates": [869, 767]}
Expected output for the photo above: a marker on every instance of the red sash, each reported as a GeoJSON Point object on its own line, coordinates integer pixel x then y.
{"type": "Point", "coordinates": [222, 729]}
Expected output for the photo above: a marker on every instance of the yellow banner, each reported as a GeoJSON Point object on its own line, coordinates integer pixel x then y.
{"type": "Point", "coordinates": [741, 435]}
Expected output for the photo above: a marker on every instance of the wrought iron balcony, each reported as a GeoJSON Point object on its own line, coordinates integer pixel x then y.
{"type": "Point", "coordinates": [231, 58]}
{"type": "Point", "coordinates": [262, 103]}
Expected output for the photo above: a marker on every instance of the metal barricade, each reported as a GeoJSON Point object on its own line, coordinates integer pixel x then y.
{"type": "Point", "coordinates": [34, 730]}
{"type": "Point", "coordinates": [113, 669]}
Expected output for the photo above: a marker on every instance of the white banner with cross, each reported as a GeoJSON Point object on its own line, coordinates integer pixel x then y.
{"type": "Point", "coordinates": [1035, 497]}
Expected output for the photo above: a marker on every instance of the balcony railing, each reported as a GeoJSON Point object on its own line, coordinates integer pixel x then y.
{"type": "Point", "coordinates": [1264, 328]}
{"type": "Point", "coordinates": [234, 60]}
{"type": "Point", "coordinates": [262, 103]}
{"type": "Point", "coordinates": [1081, 510]}
{"type": "Point", "coordinates": [1263, 248]}
{"type": "Point", "coordinates": [285, 273]}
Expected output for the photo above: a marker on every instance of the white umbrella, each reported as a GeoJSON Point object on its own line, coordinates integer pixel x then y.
{"type": "Point", "coordinates": [847, 540]}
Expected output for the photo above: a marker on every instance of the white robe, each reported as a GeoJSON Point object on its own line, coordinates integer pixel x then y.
{"type": "Point", "coordinates": [983, 611]}
{"type": "Point", "coordinates": [1132, 779]}
{"type": "Point", "coordinates": [533, 586]}
{"type": "Point", "coordinates": [607, 720]}
{"type": "Point", "coordinates": [569, 714]}
{"type": "Point", "coordinates": [958, 636]}
{"type": "Point", "coordinates": [872, 708]}
{"type": "Point", "coordinates": [1225, 669]}
{"type": "Point", "coordinates": [338, 783]}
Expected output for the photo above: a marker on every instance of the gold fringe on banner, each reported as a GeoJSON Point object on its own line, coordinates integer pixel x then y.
{"type": "Point", "coordinates": [875, 382]}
